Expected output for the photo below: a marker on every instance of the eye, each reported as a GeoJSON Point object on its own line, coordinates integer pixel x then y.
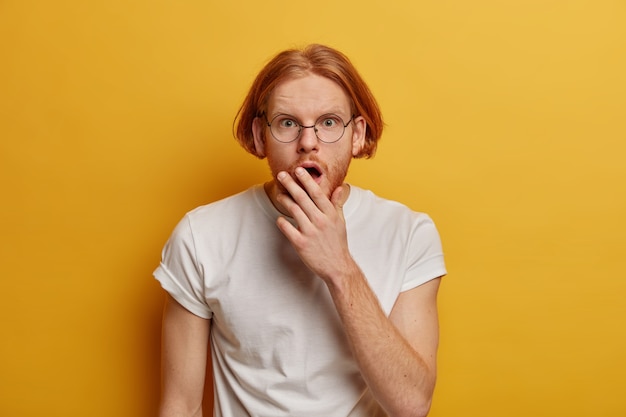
{"type": "Point", "coordinates": [330, 122]}
{"type": "Point", "coordinates": [285, 122]}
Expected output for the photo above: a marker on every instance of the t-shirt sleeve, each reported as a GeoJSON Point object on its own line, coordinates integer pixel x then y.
{"type": "Point", "coordinates": [179, 272]}
{"type": "Point", "coordinates": [425, 256]}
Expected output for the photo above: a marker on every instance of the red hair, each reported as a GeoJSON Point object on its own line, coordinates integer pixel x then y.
{"type": "Point", "coordinates": [314, 59]}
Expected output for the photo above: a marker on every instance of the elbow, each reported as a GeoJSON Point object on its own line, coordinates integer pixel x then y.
{"type": "Point", "coordinates": [422, 410]}
{"type": "Point", "coordinates": [418, 410]}
{"type": "Point", "coordinates": [179, 410]}
{"type": "Point", "coordinates": [419, 406]}
{"type": "Point", "coordinates": [415, 401]}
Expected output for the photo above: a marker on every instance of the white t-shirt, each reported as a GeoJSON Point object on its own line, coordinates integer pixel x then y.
{"type": "Point", "coordinates": [277, 345]}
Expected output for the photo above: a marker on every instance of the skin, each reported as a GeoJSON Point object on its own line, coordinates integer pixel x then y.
{"type": "Point", "coordinates": [184, 343]}
{"type": "Point", "coordinates": [306, 99]}
{"type": "Point", "coordinates": [396, 354]}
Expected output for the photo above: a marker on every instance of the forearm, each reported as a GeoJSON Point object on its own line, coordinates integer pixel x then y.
{"type": "Point", "coordinates": [399, 378]}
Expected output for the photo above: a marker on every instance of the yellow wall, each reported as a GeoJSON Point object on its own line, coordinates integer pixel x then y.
{"type": "Point", "coordinates": [505, 122]}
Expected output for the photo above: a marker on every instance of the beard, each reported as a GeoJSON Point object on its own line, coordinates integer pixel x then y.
{"type": "Point", "coordinates": [333, 176]}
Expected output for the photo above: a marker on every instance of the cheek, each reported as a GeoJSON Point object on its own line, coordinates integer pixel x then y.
{"type": "Point", "coordinates": [277, 158]}
{"type": "Point", "coordinates": [339, 167]}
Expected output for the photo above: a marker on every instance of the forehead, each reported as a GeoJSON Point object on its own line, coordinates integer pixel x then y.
{"type": "Point", "coordinates": [308, 95]}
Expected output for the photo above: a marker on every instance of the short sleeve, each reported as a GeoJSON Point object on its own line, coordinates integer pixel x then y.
{"type": "Point", "coordinates": [425, 254]}
{"type": "Point", "coordinates": [179, 272]}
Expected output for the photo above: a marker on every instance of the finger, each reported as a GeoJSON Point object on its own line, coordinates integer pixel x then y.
{"type": "Point", "coordinates": [297, 192]}
{"type": "Point", "coordinates": [297, 202]}
{"type": "Point", "coordinates": [289, 230]}
{"type": "Point", "coordinates": [313, 190]}
{"type": "Point", "coordinates": [293, 208]}
{"type": "Point", "coordinates": [337, 197]}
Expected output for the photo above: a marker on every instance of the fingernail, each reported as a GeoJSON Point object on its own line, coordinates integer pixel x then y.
{"type": "Point", "coordinates": [300, 171]}
{"type": "Point", "coordinates": [281, 175]}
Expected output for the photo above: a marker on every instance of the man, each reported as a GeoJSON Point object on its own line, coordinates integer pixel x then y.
{"type": "Point", "coordinates": [317, 297]}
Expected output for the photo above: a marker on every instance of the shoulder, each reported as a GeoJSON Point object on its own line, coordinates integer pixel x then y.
{"type": "Point", "coordinates": [215, 216]}
{"type": "Point", "coordinates": [380, 228]}
{"type": "Point", "coordinates": [235, 201]}
{"type": "Point", "coordinates": [232, 209]}
{"type": "Point", "coordinates": [392, 223]}
{"type": "Point", "coordinates": [366, 204]}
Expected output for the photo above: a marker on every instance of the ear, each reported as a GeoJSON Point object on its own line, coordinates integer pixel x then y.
{"type": "Point", "coordinates": [359, 127]}
{"type": "Point", "coordinates": [258, 131]}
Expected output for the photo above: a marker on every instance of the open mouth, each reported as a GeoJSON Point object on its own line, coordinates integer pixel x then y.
{"type": "Point", "coordinates": [313, 172]}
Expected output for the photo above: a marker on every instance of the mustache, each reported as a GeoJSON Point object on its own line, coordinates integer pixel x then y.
{"type": "Point", "coordinates": [292, 168]}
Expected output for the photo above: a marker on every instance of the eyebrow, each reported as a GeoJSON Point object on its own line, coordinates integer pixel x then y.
{"type": "Point", "coordinates": [335, 111]}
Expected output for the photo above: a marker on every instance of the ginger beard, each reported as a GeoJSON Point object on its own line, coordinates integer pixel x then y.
{"type": "Point", "coordinates": [332, 174]}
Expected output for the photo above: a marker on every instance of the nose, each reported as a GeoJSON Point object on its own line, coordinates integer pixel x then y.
{"type": "Point", "coordinates": [307, 141]}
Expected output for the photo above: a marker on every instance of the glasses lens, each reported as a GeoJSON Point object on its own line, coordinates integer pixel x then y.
{"type": "Point", "coordinates": [329, 128]}
{"type": "Point", "coordinates": [284, 128]}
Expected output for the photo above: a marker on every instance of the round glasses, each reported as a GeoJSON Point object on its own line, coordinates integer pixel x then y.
{"type": "Point", "coordinates": [328, 128]}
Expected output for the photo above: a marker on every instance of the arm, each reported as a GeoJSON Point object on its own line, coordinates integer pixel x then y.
{"type": "Point", "coordinates": [183, 361]}
{"type": "Point", "coordinates": [396, 355]}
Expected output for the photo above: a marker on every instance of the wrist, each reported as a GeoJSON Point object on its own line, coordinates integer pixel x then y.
{"type": "Point", "coordinates": [343, 275]}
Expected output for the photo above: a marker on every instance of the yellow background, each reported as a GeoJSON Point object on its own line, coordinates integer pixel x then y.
{"type": "Point", "coordinates": [505, 122]}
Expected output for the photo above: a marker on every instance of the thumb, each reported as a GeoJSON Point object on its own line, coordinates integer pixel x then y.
{"type": "Point", "coordinates": [338, 197]}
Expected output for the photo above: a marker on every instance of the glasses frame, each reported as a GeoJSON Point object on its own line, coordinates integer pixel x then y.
{"type": "Point", "coordinates": [301, 127]}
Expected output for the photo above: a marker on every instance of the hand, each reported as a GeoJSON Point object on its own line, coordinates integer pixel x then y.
{"type": "Point", "coordinates": [320, 236]}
